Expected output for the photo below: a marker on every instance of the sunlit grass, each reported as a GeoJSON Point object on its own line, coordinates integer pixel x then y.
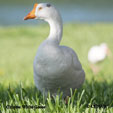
{"type": "Point", "coordinates": [18, 46]}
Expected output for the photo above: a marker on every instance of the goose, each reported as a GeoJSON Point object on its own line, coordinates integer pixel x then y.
{"type": "Point", "coordinates": [56, 67]}
{"type": "Point", "coordinates": [97, 54]}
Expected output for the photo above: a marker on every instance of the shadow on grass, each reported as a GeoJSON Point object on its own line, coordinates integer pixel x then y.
{"type": "Point", "coordinates": [93, 93]}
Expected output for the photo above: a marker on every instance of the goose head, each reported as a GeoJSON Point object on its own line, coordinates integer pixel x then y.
{"type": "Point", "coordinates": [50, 14]}
{"type": "Point", "coordinates": [44, 11]}
{"type": "Point", "coordinates": [104, 46]}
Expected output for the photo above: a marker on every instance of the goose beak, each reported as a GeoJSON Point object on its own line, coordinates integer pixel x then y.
{"type": "Point", "coordinates": [31, 15]}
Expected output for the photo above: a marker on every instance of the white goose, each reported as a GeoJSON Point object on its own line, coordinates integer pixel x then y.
{"type": "Point", "coordinates": [55, 67]}
{"type": "Point", "coordinates": [96, 54]}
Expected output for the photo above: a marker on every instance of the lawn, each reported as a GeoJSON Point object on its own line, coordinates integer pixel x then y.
{"type": "Point", "coordinates": [18, 46]}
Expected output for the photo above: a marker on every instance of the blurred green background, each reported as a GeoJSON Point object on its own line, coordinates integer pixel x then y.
{"type": "Point", "coordinates": [86, 23]}
{"type": "Point", "coordinates": [19, 40]}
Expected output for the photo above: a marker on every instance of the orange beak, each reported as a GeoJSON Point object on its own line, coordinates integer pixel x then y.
{"type": "Point", "coordinates": [31, 15]}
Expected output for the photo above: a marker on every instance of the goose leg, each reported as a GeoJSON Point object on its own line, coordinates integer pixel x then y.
{"type": "Point", "coordinates": [95, 69]}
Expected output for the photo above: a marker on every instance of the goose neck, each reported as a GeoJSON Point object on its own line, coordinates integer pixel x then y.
{"type": "Point", "coordinates": [56, 29]}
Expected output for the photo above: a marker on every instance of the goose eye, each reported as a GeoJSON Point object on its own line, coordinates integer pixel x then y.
{"type": "Point", "coordinates": [48, 5]}
{"type": "Point", "coordinates": [40, 8]}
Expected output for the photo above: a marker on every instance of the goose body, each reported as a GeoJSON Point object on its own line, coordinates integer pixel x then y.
{"type": "Point", "coordinates": [55, 67]}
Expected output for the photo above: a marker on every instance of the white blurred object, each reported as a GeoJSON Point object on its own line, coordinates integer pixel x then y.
{"type": "Point", "coordinates": [97, 53]}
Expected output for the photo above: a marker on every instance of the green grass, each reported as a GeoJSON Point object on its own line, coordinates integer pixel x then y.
{"type": "Point", "coordinates": [18, 46]}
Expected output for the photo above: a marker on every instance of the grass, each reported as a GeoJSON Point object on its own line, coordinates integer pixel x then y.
{"type": "Point", "coordinates": [18, 46]}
